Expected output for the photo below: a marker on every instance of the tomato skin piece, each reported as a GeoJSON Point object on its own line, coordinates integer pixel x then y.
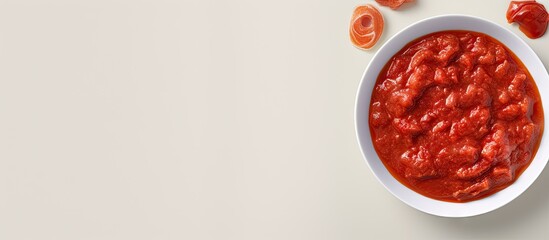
{"type": "Point", "coordinates": [531, 16]}
{"type": "Point", "coordinates": [393, 4]}
{"type": "Point", "coordinates": [366, 26]}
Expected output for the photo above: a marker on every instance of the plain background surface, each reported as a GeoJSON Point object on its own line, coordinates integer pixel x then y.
{"type": "Point", "coordinates": [206, 119]}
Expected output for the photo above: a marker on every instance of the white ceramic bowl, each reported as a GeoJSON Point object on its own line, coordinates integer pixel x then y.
{"type": "Point", "coordinates": [392, 46]}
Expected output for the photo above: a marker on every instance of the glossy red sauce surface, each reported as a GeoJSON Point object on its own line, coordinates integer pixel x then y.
{"type": "Point", "coordinates": [455, 116]}
{"type": "Point", "coordinates": [531, 17]}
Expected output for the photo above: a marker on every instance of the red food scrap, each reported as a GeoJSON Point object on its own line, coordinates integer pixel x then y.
{"type": "Point", "coordinates": [531, 17]}
{"type": "Point", "coordinates": [366, 26]}
{"type": "Point", "coordinates": [393, 4]}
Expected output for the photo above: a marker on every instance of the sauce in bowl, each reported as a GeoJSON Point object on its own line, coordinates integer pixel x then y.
{"type": "Point", "coordinates": [455, 116]}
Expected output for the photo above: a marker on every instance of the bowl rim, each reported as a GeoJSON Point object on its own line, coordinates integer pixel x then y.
{"type": "Point", "coordinates": [410, 197]}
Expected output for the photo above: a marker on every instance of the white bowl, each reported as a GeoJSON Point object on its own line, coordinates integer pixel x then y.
{"type": "Point", "coordinates": [392, 46]}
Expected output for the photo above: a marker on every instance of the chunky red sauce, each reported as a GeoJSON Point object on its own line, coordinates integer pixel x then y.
{"type": "Point", "coordinates": [455, 116]}
{"type": "Point", "coordinates": [531, 17]}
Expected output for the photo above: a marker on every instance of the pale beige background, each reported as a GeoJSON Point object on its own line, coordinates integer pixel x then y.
{"type": "Point", "coordinates": [196, 119]}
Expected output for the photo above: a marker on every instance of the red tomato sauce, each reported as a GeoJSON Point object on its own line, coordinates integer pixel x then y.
{"type": "Point", "coordinates": [455, 116]}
